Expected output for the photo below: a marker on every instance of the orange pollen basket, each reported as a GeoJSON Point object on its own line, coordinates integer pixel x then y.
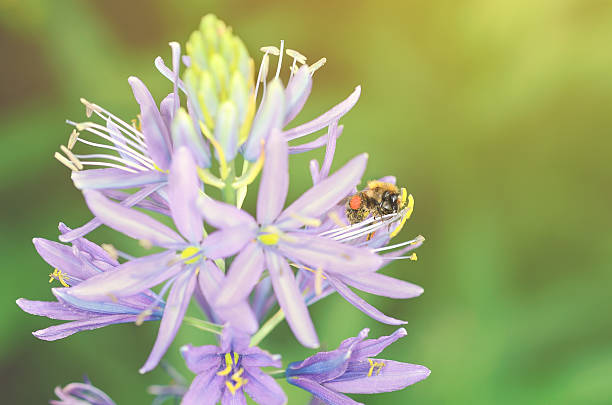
{"type": "Point", "coordinates": [355, 202]}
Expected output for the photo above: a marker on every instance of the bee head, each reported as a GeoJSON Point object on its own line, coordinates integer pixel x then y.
{"type": "Point", "coordinates": [389, 202]}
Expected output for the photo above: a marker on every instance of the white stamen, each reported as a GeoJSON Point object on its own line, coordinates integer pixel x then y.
{"type": "Point", "coordinates": [102, 131]}
{"type": "Point", "coordinates": [73, 138]}
{"type": "Point", "coordinates": [280, 59]}
{"type": "Point", "coordinates": [132, 132]}
{"type": "Point", "coordinates": [263, 73]}
{"type": "Point", "coordinates": [72, 157]}
{"type": "Point", "coordinates": [106, 164]}
{"type": "Point", "coordinates": [317, 65]}
{"type": "Point", "coordinates": [414, 241]}
{"type": "Point", "coordinates": [412, 257]}
{"type": "Point", "coordinates": [89, 107]}
{"type": "Point", "coordinates": [115, 158]}
{"type": "Point", "coordinates": [65, 161]}
{"type": "Point", "coordinates": [104, 146]}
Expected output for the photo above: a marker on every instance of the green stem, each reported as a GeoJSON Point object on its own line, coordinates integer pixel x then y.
{"type": "Point", "coordinates": [267, 327]}
{"type": "Point", "coordinates": [204, 325]}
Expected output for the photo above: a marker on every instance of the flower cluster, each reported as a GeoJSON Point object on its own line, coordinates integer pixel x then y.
{"type": "Point", "coordinates": [192, 160]}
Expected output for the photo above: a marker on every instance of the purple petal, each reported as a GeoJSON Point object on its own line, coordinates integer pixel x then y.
{"type": "Point", "coordinates": [96, 179]}
{"type": "Point", "coordinates": [379, 284]}
{"type": "Point", "coordinates": [325, 194]}
{"type": "Point", "coordinates": [329, 255]}
{"type": "Point", "coordinates": [274, 180]}
{"type": "Point", "coordinates": [242, 276]}
{"type": "Point", "coordinates": [325, 119]}
{"type": "Point", "coordinates": [166, 109]}
{"type": "Point", "coordinates": [149, 205]}
{"type": "Point", "coordinates": [99, 307]}
{"type": "Point", "coordinates": [225, 242]}
{"type": "Point", "coordinates": [129, 278]}
{"type": "Point", "coordinates": [52, 310]}
{"type": "Point", "coordinates": [183, 192]}
{"type": "Point", "coordinates": [201, 359]}
{"type": "Point", "coordinates": [222, 215]}
{"type": "Point", "coordinates": [62, 257]}
{"type": "Point", "coordinates": [290, 300]}
{"type": "Point", "coordinates": [154, 130]}
{"type": "Point", "coordinates": [69, 328]}
{"type": "Point", "coordinates": [176, 65]}
{"type": "Point", "coordinates": [176, 305]}
{"type": "Point", "coordinates": [317, 143]}
{"type": "Point", "coordinates": [237, 398]}
{"type": "Point", "coordinates": [131, 222]}
{"type": "Point", "coordinates": [185, 134]}
{"type": "Point", "coordinates": [205, 389]}
{"type": "Point", "coordinates": [373, 347]}
{"type": "Point", "coordinates": [360, 303]}
{"type": "Point", "coordinates": [270, 116]}
{"type": "Point", "coordinates": [96, 252]}
{"type": "Point", "coordinates": [262, 388]}
{"type": "Point", "coordinates": [256, 357]}
{"type": "Point", "coordinates": [392, 376]}
{"type": "Point", "coordinates": [314, 171]}
{"type": "Point", "coordinates": [297, 93]}
{"type": "Point", "coordinates": [329, 150]}
{"type": "Point", "coordinates": [325, 394]}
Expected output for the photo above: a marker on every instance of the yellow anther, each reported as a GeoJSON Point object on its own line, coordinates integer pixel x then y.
{"type": "Point", "coordinates": [251, 172]}
{"type": "Point", "coordinates": [414, 257]}
{"type": "Point", "coordinates": [110, 249]}
{"type": "Point", "coordinates": [318, 281]}
{"type": "Point", "coordinates": [268, 238]}
{"type": "Point", "coordinates": [61, 277]}
{"type": "Point", "coordinates": [270, 49]}
{"type": "Point", "coordinates": [371, 367]}
{"type": "Point", "coordinates": [296, 55]}
{"type": "Point", "coordinates": [236, 357]}
{"type": "Point", "coordinates": [236, 376]}
{"type": "Point", "coordinates": [228, 365]}
{"type": "Point", "coordinates": [299, 266]}
{"type": "Point", "coordinates": [159, 169]}
{"type": "Point", "coordinates": [75, 161]}
{"type": "Point", "coordinates": [74, 135]}
{"type": "Point", "coordinates": [190, 253]}
{"type": "Point", "coordinates": [65, 162]}
{"type": "Point", "coordinates": [409, 208]}
{"type": "Point", "coordinates": [375, 365]}
{"type": "Point", "coordinates": [239, 381]}
{"type": "Point", "coordinates": [403, 197]}
{"type": "Point", "coordinates": [142, 316]}
{"type": "Point", "coordinates": [145, 243]}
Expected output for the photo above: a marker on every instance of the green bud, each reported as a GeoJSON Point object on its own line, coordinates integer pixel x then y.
{"type": "Point", "coordinates": [226, 129]}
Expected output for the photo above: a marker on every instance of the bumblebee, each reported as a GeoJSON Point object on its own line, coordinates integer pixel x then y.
{"type": "Point", "coordinates": [378, 199]}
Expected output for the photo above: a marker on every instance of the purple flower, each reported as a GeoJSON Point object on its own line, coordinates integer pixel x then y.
{"type": "Point", "coordinates": [352, 369]}
{"type": "Point", "coordinates": [81, 394]}
{"type": "Point", "coordinates": [184, 265]}
{"type": "Point", "coordinates": [228, 371]}
{"type": "Point", "coordinates": [72, 266]}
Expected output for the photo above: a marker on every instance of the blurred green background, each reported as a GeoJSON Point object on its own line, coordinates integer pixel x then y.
{"type": "Point", "coordinates": [496, 115]}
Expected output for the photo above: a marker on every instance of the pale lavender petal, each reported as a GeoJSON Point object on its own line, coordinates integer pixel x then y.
{"type": "Point", "coordinates": [69, 328]}
{"type": "Point", "coordinates": [131, 222]}
{"type": "Point", "coordinates": [153, 127]}
{"type": "Point", "coordinates": [262, 297]}
{"type": "Point", "coordinates": [176, 305]}
{"type": "Point", "coordinates": [176, 65]}
{"type": "Point", "coordinates": [167, 73]}
{"type": "Point", "coordinates": [130, 201]}
{"type": "Point", "coordinates": [290, 300]}
{"type": "Point", "coordinates": [274, 180]}
{"type": "Point", "coordinates": [242, 276]}
{"type": "Point", "coordinates": [52, 310]}
{"type": "Point", "coordinates": [324, 195]}
{"type": "Point", "coordinates": [100, 307]}
{"type": "Point", "coordinates": [184, 133]}
{"type": "Point", "coordinates": [393, 376]}
{"type": "Point", "coordinates": [322, 366]}
{"type": "Point", "coordinates": [96, 179]}
{"type": "Point", "coordinates": [321, 392]}
{"type": "Point", "coordinates": [262, 388]}
{"type": "Point", "coordinates": [317, 143]}
{"type": "Point", "coordinates": [236, 398]}
{"type": "Point", "coordinates": [96, 252]}
{"type": "Point", "coordinates": [329, 150]}
{"type": "Point", "coordinates": [84, 391]}
{"type": "Point", "coordinates": [222, 215]}
{"type": "Point", "coordinates": [63, 258]}
{"type": "Point", "coordinates": [166, 109]}
{"type": "Point", "coordinates": [225, 242]}
{"type": "Point", "coordinates": [388, 179]}
{"type": "Point", "coordinates": [129, 278]}
{"type": "Point", "coordinates": [373, 347]}
{"type": "Point", "coordinates": [326, 118]}
{"type": "Point", "coordinates": [329, 255]}
{"type": "Point", "coordinates": [201, 359]}
{"type": "Point", "coordinates": [361, 304]}
{"type": "Point", "coordinates": [256, 357]}
{"type": "Point", "coordinates": [205, 389]}
{"type": "Point", "coordinates": [183, 191]}
{"type": "Point", "coordinates": [146, 204]}
{"type": "Point", "coordinates": [297, 92]}
{"type": "Point", "coordinates": [379, 284]}
{"type": "Point", "coordinates": [269, 117]}
{"type": "Point", "coordinates": [314, 171]}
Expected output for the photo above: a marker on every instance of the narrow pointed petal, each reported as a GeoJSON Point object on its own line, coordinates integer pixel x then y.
{"type": "Point", "coordinates": [297, 92]}
{"type": "Point", "coordinates": [128, 279]}
{"type": "Point", "coordinates": [393, 376]}
{"type": "Point", "coordinates": [97, 253]}
{"type": "Point", "coordinates": [361, 304]}
{"type": "Point", "coordinates": [329, 255]}
{"type": "Point", "coordinates": [330, 150]}
{"type": "Point", "coordinates": [183, 192]}
{"type": "Point", "coordinates": [379, 284]}
{"type": "Point", "coordinates": [242, 275]}
{"type": "Point", "coordinates": [290, 300]}
{"type": "Point", "coordinates": [52, 310]}
{"type": "Point", "coordinates": [131, 222]}
{"type": "Point", "coordinates": [62, 257]}
{"type": "Point", "coordinates": [269, 117]}
{"type": "Point", "coordinates": [166, 109]}
{"type": "Point", "coordinates": [263, 389]}
{"type": "Point", "coordinates": [206, 389]}
{"type": "Point", "coordinates": [325, 394]}
{"type": "Point", "coordinates": [69, 328]}
{"type": "Point", "coordinates": [317, 143]}
{"type": "Point", "coordinates": [185, 134]}
{"type": "Point", "coordinates": [176, 305]}
{"type": "Point", "coordinates": [325, 194]}
{"type": "Point", "coordinates": [274, 180]}
{"type": "Point", "coordinates": [373, 347]}
{"type": "Point", "coordinates": [325, 119]}
{"type": "Point", "coordinates": [226, 242]}
{"type": "Point", "coordinates": [201, 359]}
{"type": "Point", "coordinates": [222, 215]}
{"type": "Point", "coordinates": [149, 205]}
{"type": "Point", "coordinates": [236, 398]}
{"type": "Point", "coordinates": [97, 179]}
{"type": "Point", "coordinates": [256, 357]}
{"type": "Point", "coordinates": [98, 307]}
{"type": "Point", "coordinates": [154, 130]}
{"type": "Point", "coordinates": [322, 366]}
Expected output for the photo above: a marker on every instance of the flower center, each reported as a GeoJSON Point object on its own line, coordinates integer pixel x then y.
{"type": "Point", "coordinates": [191, 253]}
{"type": "Point", "coordinates": [231, 363]}
{"type": "Point", "coordinates": [375, 365]}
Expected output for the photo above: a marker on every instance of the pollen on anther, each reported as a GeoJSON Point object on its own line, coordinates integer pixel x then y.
{"type": "Point", "coordinates": [296, 55]}
{"type": "Point", "coordinates": [74, 135]}
{"type": "Point", "coordinates": [317, 65]}
{"type": "Point", "coordinates": [270, 49]}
